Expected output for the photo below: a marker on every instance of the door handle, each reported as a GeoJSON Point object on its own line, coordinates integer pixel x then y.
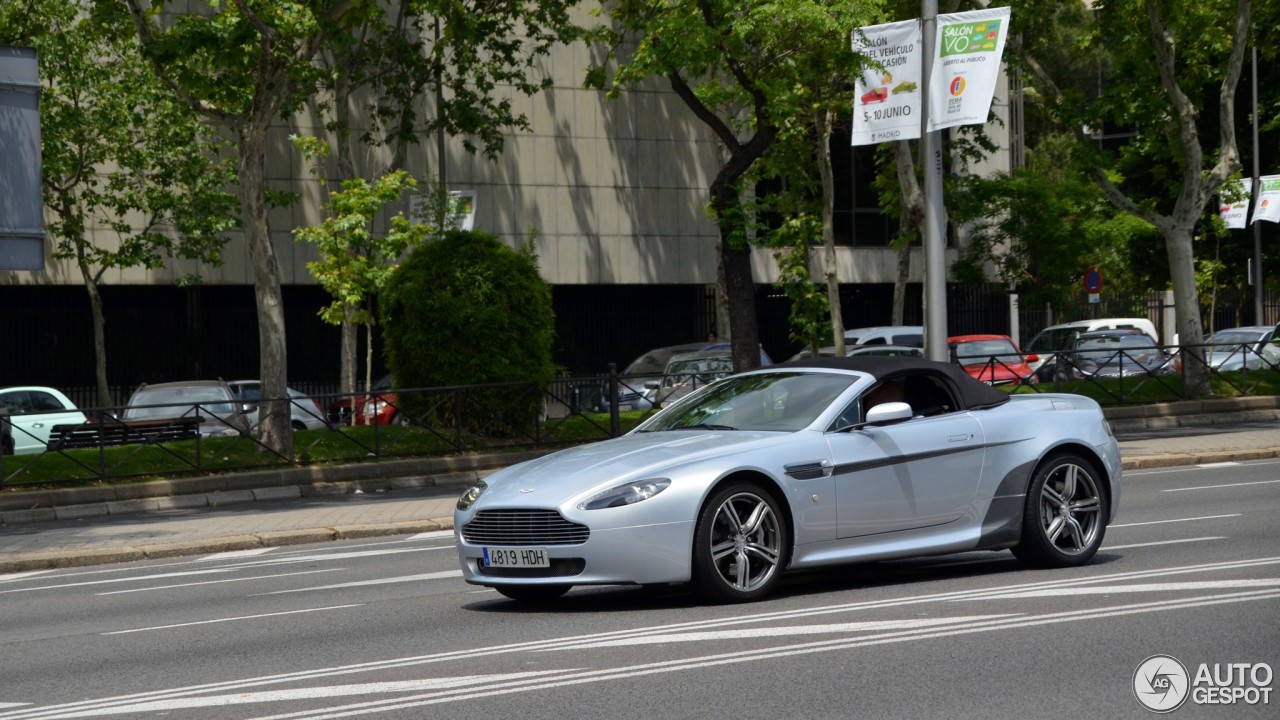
{"type": "Point", "coordinates": [959, 438]}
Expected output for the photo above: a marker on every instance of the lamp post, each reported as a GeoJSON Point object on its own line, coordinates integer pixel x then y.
{"type": "Point", "coordinates": [1257, 229]}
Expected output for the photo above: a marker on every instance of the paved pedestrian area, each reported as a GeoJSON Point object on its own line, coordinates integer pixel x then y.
{"type": "Point", "coordinates": [170, 533]}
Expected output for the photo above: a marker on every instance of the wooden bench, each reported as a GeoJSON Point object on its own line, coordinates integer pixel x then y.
{"type": "Point", "coordinates": [124, 432]}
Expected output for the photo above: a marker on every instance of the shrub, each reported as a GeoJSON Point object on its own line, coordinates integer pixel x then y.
{"type": "Point", "coordinates": [466, 309]}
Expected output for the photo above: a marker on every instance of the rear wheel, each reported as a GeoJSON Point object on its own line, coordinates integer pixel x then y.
{"type": "Point", "coordinates": [1065, 516]}
{"type": "Point", "coordinates": [739, 545]}
{"type": "Point", "coordinates": [533, 593]}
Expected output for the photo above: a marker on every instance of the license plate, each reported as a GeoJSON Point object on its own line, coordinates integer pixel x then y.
{"type": "Point", "coordinates": [516, 557]}
{"type": "Point", "coordinates": [624, 408]}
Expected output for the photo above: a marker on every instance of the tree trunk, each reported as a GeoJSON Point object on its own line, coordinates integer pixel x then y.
{"type": "Point", "coordinates": [274, 429]}
{"type": "Point", "coordinates": [910, 223]}
{"type": "Point", "coordinates": [349, 340]}
{"type": "Point", "coordinates": [830, 270]}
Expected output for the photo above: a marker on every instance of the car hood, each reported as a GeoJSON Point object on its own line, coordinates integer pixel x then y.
{"type": "Point", "coordinates": [561, 475]}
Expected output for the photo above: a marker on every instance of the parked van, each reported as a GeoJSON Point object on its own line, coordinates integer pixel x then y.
{"type": "Point", "coordinates": [1042, 348]}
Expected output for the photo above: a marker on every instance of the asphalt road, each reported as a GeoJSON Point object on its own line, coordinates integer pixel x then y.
{"type": "Point", "coordinates": [385, 628]}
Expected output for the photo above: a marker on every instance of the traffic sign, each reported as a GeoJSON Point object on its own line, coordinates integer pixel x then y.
{"type": "Point", "coordinates": [1093, 279]}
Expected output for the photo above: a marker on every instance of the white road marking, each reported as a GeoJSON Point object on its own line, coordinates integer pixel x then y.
{"type": "Point", "coordinates": [434, 535]}
{"type": "Point", "coordinates": [1162, 542]}
{"type": "Point", "coordinates": [22, 575]}
{"type": "Point", "coordinates": [234, 554]}
{"type": "Point", "coordinates": [1150, 587]}
{"type": "Point", "coordinates": [568, 679]}
{"type": "Point", "coordinates": [380, 581]}
{"type": "Point", "coordinates": [334, 691]}
{"type": "Point", "coordinates": [4, 705]}
{"type": "Point", "coordinates": [787, 631]}
{"type": "Point", "coordinates": [218, 582]}
{"type": "Point", "coordinates": [1210, 466]}
{"type": "Point", "coordinates": [568, 643]}
{"type": "Point", "coordinates": [230, 619]}
{"type": "Point", "coordinates": [158, 576]}
{"type": "Point", "coordinates": [1162, 522]}
{"type": "Point", "coordinates": [1128, 474]}
{"type": "Point", "coordinates": [1225, 485]}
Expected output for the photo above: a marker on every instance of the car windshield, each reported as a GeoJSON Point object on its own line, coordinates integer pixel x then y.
{"type": "Point", "coordinates": [209, 399]}
{"type": "Point", "coordinates": [1101, 348]}
{"type": "Point", "coordinates": [1051, 340]}
{"type": "Point", "coordinates": [701, 371]}
{"type": "Point", "coordinates": [1233, 339]}
{"type": "Point", "coordinates": [783, 402]}
{"type": "Point", "coordinates": [978, 352]}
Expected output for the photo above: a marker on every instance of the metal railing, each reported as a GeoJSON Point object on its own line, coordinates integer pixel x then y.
{"type": "Point", "coordinates": [423, 422]}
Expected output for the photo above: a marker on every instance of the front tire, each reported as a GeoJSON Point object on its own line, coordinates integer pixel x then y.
{"type": "Point", "coordinates": [533, 593]}
{"type": "Point", "coordinates": [1065, 516]}
{"type": "Point", "coordinates": [739, 545]}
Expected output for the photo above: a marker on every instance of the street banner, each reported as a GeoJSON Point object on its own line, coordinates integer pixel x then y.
{"type": "Point", "coordinates": [963, 82]}
{"type": "Point", "coordinates": [1235, 213]}
{"type": "Point", "coordinates": [462, 209]}
{"type": "Point", "coordinates": [886, 100]}
{"type": "Point", "coordinates": [1268, 199]}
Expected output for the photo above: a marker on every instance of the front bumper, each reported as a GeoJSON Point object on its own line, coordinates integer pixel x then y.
{"type": "Point", "coordinates": [644, 554]}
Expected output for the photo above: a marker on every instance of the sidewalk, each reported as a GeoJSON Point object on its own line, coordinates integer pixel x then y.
{"type": "Point", "coordinates": [291, 519]}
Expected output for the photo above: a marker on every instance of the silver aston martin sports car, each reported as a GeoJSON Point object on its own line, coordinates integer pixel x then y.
{"type": "Point", "coordinates": [801, 465]}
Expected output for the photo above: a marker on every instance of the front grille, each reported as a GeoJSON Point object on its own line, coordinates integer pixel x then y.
{"type": "Point", "coordinates": [523, 527]}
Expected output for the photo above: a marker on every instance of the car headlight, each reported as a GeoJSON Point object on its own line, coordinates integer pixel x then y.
{"type": "Point", "coordinates": [629, 494]}
{"type": "Point", "coordinates": [472, 494]}
{"type": "Point", "coordinates": [374, 407]}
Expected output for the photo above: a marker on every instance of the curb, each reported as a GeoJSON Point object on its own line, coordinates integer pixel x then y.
{"type": "Point", "coordinates": [449, 474]}
{"type": "Point", "coordinates": [64, 558]}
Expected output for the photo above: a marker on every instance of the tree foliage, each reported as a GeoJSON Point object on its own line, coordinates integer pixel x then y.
{"type": "Point", "coordinates": [132, 178]}
{"type": "Point", "coordinates": [465, 309]}
{"type": "Point", "coordinates": [1167, 73]}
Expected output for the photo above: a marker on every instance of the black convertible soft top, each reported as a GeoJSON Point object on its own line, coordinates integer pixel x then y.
{"type": "Point", "coordinates": [973, 394]}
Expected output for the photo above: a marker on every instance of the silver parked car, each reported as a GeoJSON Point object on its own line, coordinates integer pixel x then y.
{"type": "Point", "coordinates": [212, 401]}
{"type": "Point", "coordinates": [1244, 348]}
{"type": "Point", "coordinates": [791, 467]}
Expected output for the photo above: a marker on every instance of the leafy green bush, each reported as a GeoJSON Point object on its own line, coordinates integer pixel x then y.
{"type": "Point", "coordinates": [466, 309]}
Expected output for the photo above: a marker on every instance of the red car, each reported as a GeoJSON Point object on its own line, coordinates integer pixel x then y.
{"type": "Point", "coordinates": [993, 359]}
{"type": "Point", "coordinates": [377, 408]}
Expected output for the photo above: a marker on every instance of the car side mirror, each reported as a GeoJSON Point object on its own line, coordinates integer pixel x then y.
{"type": "Point", "coordinates": [248, 407]}
{"type": "Point", "coordinates": [888, 413]}
{"type": "Point", "coordinates": [1033, 358]}
{"type": "Point", "coordinates": [652, 384]}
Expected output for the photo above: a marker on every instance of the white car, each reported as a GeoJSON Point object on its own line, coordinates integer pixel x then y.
{"type": "Point", "coordinates": [305, 412]}
{"type": "Point", "coordinates": [795, 467]}
{"type": "Point", "coordinates": [33, 412]}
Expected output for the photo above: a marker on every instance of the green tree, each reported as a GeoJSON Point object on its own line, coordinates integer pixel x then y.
{"type": "Point", "coordinates": [467, 57]}
{"type": "Point", "coordinates": [263, 56]}
{"type": "Point", "coordinates": [808, 108]}
{"type": "Point", "coordinates": [467, 310]}
{"type": "Point", "coordinates": [722, 59]}
{"type": "Point", "coordinates": [1157, 61]}
{"type": "Point", "coordinates": [120, 153]}
{"type": "Point", "coordinates": [355, 261]}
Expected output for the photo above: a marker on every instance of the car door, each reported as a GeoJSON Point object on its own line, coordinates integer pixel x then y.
{"type": "Point", "coordinates": [33, 414]}
{"type": "Point", "coordinates": [915, 474]}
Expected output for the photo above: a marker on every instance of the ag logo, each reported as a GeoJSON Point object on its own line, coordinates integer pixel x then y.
{"type": "Point", "coordinates": [1161, 683]}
